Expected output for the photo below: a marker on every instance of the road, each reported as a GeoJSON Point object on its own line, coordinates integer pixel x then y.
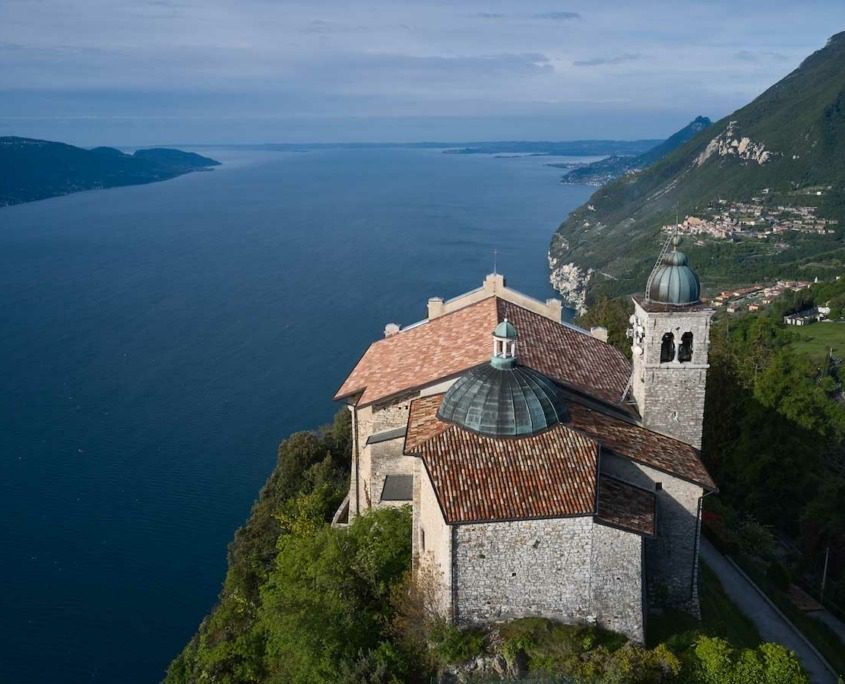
{"type": "Point", "coordinates": [769, 622]}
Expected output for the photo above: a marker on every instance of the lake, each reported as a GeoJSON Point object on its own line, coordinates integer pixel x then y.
{"type": "Point", "coordinates": [158, 341]}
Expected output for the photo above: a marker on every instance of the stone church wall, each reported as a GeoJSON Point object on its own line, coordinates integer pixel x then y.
{"type": "Point", "coordinates": [549, 568]}
{"type": "Point", "coordinates": [432, 544]}
{"type": "Point", "coordinates": [672, 557]}
{"type": "Point", "coordinates": [670, 395]}
{"type": "Point", "coordinates": [617, 586]}
{"type": "Point", "coordinates": [376, 461]}
{"type": "Point", "coordinates": [674, 401]}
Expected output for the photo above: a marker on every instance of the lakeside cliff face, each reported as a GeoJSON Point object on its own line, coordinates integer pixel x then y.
{"type": "Point", "coordinates": [36, 169]}
{"type": "Point", "coordinates": [781, 152]}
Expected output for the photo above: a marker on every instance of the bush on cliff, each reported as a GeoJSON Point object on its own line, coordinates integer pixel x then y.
{"type": "Point", "coordinates": [326, 602]}
{"type": "Point", "coordinates": [229, 645]}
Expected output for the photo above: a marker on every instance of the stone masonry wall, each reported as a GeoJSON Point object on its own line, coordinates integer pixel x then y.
{"type": "Point", "coordinates": [548, 568]}
{"type": "Point", "coordinates": [670, 395]}
{"type": "Point", "coordinates": [376, 461]}
{"type": "Point", "coordinates": [432, 543]}
{"type": "Point", "coordinates": [674, 401]}
{"type": "Point", "coordinates": [617, 584]}
{"type": "Point", "coordinates": [671, 566]}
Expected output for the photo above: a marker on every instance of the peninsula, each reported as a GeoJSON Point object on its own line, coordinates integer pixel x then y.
{"type": "Point", "coordinates": [37, 169]}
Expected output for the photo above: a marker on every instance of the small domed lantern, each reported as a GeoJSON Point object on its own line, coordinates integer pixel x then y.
{"type": "Point", "coordinates": [504, 345]}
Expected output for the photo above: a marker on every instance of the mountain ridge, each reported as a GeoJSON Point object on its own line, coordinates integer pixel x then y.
{"type": "Point", "coordinates": [606, 170]}
{"type": "Point", "coordinates": [783, 149]}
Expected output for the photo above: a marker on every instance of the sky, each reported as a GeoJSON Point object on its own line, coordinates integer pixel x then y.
{"type": "Point", "coordinates": [144, 72]}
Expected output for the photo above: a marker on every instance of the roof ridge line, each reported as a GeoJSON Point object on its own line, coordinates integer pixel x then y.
{"type": "Point", "coordinates": [423, 321]}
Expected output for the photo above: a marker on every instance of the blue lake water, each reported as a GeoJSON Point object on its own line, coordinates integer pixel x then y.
{"type": "Point", "coordinates": [158, 341]}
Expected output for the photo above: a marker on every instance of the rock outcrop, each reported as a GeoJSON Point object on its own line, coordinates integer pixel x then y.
{"type": "Point", "coordinates": [730, 143]}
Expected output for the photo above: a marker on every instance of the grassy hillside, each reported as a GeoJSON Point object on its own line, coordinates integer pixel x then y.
{"type": "Point", "coordinates": [795, 149]}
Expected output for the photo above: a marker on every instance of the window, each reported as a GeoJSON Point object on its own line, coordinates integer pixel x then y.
{"type": "Point", "coordinates": [658, 486]}
{"type": "Point", "coordinates": [422, 539]}
{"type": "Point", "coordinates": [667, 348]}
{"type": "Point", "coordinates": [685, 350]}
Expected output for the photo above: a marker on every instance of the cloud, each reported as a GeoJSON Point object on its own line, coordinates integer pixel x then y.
{"type": "Point", "coordinates": [540, 16]}
{"type": "Point", "coordinates": [435, 69]}
{"type": "Point", "coordinates": [602, 61]}
{"type": "Point", "coordinates": [556, 16]}
{"type": "Point", "coordinates": [748, 56]}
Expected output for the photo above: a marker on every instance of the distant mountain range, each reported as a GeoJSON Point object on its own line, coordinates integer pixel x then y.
{"type": "Point", "coordinates": [565, 148]}
{"type": "Point", "coordinates": [770, 177]}
{"type": "Point", "coordinates": [610, 168]}
{"type": "Point", "coordinates": [36, 169]}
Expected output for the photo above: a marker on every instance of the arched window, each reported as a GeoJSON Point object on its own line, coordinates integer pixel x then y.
{"type": "Point", "coordinates": [667, 348]}
{"type": "Point", "coordinates": [685, 350]}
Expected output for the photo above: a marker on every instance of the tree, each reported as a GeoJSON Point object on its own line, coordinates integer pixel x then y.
{"type": "Point", "coordinates": [717, 662]}
{"type": "Point", "coordinates": [326, 602]}
{"type": "Point", "coordinates": [612, 314]}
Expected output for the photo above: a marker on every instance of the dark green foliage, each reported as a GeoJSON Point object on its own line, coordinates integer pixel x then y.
{"type": "Point", "coordinates": [717, 662]}
{"type": "Point", "coordinates": [583, 654]}
{"type": "Point", "coordinates": [229, 647]}
{"type": "Point", "coordinates": [326, 602]}
{"type": "Point", "coordinates": [774, 438]}
{"type": "Point", "coordinates": [771, 428]}
{"type": "Point", "coordinates": [800, 118]}
{"type": "Point", "coordinates": [612, 314]}
{"type": "Point", "coordinates": [450, 645]}
{"type": "Point", "coordinates": [719, 618]}
{"type": "Point", "coordinates": [778, 576]}
{"type": "Point", "coordinates": [35, 169]}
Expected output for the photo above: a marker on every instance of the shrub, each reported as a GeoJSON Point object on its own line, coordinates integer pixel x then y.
{"type": "Point", "coordinates": [778, 575]}
{"type": "Point", "coordinates": [451, 645]}
{"type": "Point", "coordinates": [755, 539]}
{"type": "Point", "coordinates": [717, 662]}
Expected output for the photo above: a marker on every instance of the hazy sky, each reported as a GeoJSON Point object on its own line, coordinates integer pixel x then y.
{"type": "Point", "coordinates": [127, 72]}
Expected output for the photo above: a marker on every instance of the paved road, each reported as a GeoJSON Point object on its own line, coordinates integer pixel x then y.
{"type": "Point", "coordinates": [830, 620]}
{"type": "Point", "coordinates": [769, 623]}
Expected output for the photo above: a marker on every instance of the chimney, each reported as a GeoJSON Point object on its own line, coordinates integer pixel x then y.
{"type": "Point", "coordinates": [555, 309]}
{"type": "Point", "coordinates": [599, 332]}
{"type": "Point", "coordinates": [391, 329]}
{"type": "Point", "coordinates": [435, 307]}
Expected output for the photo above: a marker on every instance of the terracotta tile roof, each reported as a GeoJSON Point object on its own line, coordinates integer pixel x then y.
{"type": "Point", "coordinates": [423, 423]}
{"type": "Point", "coordinates": [483, 479]}
{"type": "Point", "coordinates": [568, 355]}
{"type": "Point", "coordinates": [627, 507]}
{"type": "Point", "coordinates": [438, 348]}
{"type": "Point", "coordinates": [630, 440]}
{"type": "Point", "coordinates": [451, 344]}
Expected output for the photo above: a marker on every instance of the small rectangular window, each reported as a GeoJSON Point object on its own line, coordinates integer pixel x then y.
{"type": "Point", "coordinates": [658, 486]}
{"type": "Point", "coordinates": [422, 539]}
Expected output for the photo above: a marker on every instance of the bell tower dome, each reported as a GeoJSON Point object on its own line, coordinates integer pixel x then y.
{"type": "Point", "coordinates": [670, 332]}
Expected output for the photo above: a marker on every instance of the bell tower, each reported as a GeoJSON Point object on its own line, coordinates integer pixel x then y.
{"type": "Point", "coordinates": [670, 330]}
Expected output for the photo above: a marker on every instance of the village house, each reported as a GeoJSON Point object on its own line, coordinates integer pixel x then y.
{"type": "Point", "coordinates": [548, 475]}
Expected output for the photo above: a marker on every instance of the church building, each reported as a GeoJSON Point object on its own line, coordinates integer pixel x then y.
{"type": "Point", "coordinates": [548, 475]}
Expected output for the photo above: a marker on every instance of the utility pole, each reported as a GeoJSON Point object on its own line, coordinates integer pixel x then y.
{"type": "Point", "coordinates": [824, 574]}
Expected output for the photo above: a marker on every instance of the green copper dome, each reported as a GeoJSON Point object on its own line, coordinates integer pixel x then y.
{"type": "Point", "coordinates": [502, 398]}
{"type": "Point", "coordinates": [673, 281]}
{"type": "Point", "coordinates": [505, 402]}
{"type": "Point", "coordinates": [505, 329]}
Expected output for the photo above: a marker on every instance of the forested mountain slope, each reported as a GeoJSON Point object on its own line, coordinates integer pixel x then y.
{"type": "Point", "coordinates": [784, 149]}
{"type": "Point", "coordinates": [36, 169]}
